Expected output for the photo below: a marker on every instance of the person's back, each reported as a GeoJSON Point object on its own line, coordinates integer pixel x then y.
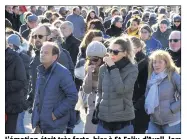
{"type": "Point", "coordinates": [15, 77]}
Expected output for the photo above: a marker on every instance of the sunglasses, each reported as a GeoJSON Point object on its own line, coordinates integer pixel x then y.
{"type": "Point", "coordinates": [174, 40]}
{"type": "Point", "coordinates": [94, 59]}
{"type": "Point", "coordinates": [115, 52]}
{"type": "Point", "coordinates": [38, 36]}
{"type": "Point", "coordinates": [177, 21]}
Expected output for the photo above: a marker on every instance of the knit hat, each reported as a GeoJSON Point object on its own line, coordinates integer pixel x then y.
{"type": "Point", "coordinates": [32, 18]}
{"type": "Point", "coordinates": [96, 48]}
{"type": "Point", "coordinates": [116, 19]}
{"type": "Point", "coordinates": [146, 27]}
{"type": "Point", "coordinates": [177, 18]}
{"type": "Point", "coordinates": [14, 39]}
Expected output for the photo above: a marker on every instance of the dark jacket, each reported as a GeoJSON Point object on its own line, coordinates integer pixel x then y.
{"type": "Point", "coordinates": [15, 78]}
{"type": "Point", "coordinates": [23, 28]}
{"type": "Point", "coordinates": [176, 56]}
{"type": "Point", "coordinates": [141, 118]}
{"type": "Point", "coordinates": [16, 23]}
{"type": "Point", "coordinates": [55, 92]}
{"type": "Point", "coordinates": [114, 31]}
{"type": "Point", "coordinates": [162, 37]}
{"type": "Point", "coordinates": [107, 24]}
{"type": "Point", "coordinates": [9, 16]}
{"type": "Point", "coordinates": [71, 44]}
{"type": "Point", "coordinates": [25, 34]}
{"type": "Point", "coordinates": [64, 59]}
{"type": "Point", "coordinates": [115, 92]}
{"type": "Point", "coordinates": [176, 28]}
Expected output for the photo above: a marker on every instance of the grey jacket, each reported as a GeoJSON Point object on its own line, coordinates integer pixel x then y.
{"type": "Point", "coordinates": [169, 109]}
{"type": "Point", "coordinates": [115, 91]}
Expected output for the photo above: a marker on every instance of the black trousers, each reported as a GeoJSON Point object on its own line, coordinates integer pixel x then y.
{"type": "Point", "coordinates": [10, 125]}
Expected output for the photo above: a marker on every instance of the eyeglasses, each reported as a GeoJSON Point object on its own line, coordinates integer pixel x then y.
{"type": "Point", "coordinates": [38, 36]}
{"type": "Point", "coordinates": [115, 52]}
{"type": "Point", "coordinates": [94, 59]}
{"type": "Point", "coordinates": [174, 40]}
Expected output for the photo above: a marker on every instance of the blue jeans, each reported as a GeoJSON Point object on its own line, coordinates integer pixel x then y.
{"type": "Point", "coordinates": [129, 129]}
{"type": "Point", "coordinates": [20, 129]}
{"type": "Point", "coordinates": [165, 129]}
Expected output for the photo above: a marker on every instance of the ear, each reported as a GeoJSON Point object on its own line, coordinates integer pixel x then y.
{"type": "Point", "coordinates": [55, 57]}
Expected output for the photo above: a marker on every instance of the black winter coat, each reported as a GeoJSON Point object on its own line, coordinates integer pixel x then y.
{"type": "Point", "coordinates": [176, 56]}
{"type": "Point", "coordinates": [15, 79]}
{"type": "Point", "coordinates": [71, 44]}
{"type": "Point", "coordinates": [16, 23]}
{"type": "Point", "coordinates": [141, 118]}
{"type": "Point", "coordinates": [114, 31]}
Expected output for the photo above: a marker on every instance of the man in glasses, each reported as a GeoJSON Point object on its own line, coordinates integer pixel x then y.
{"type": "Point", "coordinates": [175, 47]}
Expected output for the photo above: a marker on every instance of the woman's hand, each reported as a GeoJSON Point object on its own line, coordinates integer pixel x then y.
{"type": "Point", "coordinates": [108, 61]}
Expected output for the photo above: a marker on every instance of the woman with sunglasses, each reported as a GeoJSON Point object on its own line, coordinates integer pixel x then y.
{"type": "Point", "coordinates": [162, 94]}
{"type": "Point", "coordinates": [95, 53]}
{"type": "Point", "coordinates": [141, 118]}
{"type": "Point", "coordinates": [151, 43]}
{"type": "Point", "coordinates": [176, 23]}
{"type": "Point", "coordinates": [115, 89]}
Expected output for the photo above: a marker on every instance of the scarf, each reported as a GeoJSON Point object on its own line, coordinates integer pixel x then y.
{"type": "Point", "coordinates": [152, 99]}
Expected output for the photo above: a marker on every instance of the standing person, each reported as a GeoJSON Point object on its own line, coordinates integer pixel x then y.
{"type": "Point", "coordinates": [33, 9]}
{"type": "Point", "coordinates": [133, 30]}
{"type": "Point", "coordinates": [91, 16]}
{"type": "Point", "coordinates": [151, 43]}
{"type": "Point", "coordinates": [9, 13]}
{"type": "Point", "coordinates": [56, 93]}
{"type": "Point", "coordinates": [78, 23]}
{"type": "Point", "coordinates": [15, 77]}
{"type": "Point", "coordinates": [115, 29]}
{"type": "Point", "coordinates": [123, 13]}
{"type": "Point", "coordinates": [163, 90]}
{"type": "Point", "coordinates": [62, 11]}
{"type": "Point", "coordinates": [40, 35]}
{"type": "Point", "coordinates": [71, 44]}
{"type": "Point", "coordinates": [115, 89]}
{"type": "Point", "coordinates": [176, 23]}
{"type": "Point", "coordinates": [23, 27]}
{"type": "Point", "coordinates": [107, 23]}
{"type": "Point", "coordinates": [175, 47]}
{"type": "Point", "coordinates": [14, 42]}
{"type": "Point", "coordinates": [162, 33]}
{"type": "Point", "coordinates": [141, 118]}
{"type": "Point", "coordinates": [16, 23]}
{"type": "Point", "coordinates": [94, 53]}
{"type": "Point", "coordinates": [32, 23]}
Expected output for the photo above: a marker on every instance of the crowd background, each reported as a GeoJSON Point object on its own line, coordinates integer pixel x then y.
{"type": "Point", "coordinates": [112, 56]}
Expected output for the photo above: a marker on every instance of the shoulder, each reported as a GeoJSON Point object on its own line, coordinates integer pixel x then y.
{"type": "Point", "coordinates": [130, 68]}
{"type": "Point", "coordinates": [61, 69]}
{"type": "Point", "coordinates": [176, 76]}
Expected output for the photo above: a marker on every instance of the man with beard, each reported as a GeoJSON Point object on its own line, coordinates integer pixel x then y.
{"type": "Point", "coordinates": [175, 47]}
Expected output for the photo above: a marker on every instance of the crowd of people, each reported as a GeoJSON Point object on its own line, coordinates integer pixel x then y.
{"type": "Point", "coordinates": [120, 65]}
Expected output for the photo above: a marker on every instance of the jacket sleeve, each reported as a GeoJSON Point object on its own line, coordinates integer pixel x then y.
{"type": "Point", "coordinates": [16, 85]}
{"type": "Point", "coordinates": [70, 62]}
{"type": "Point", "coordinates": [68, 87]}
{"type": "Point", "coordinates": [87, 83]}
{"type": "Point", "coordinates": [125, 85]}
{"type": "Point", "coordinates": [176, 106]}
{"type": "Point", "coordinates": [99, 87]}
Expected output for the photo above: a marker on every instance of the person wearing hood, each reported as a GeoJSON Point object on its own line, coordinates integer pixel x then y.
{"type": "Point", "coordinates": [94, 53]}
{"type": "Point", "coordinates": [176, 23]}
{"type": "Point", "coordinates": [145, 17]}
{"type": "Point", "coordinates": [116, 81]}
{"type": "Point", "coordinates": [14, 42]}
{"type": "Point", "coordinates": [115, 29]}
{"type": "Point", "coordinates": [152, 44]}
{"type": "Point", "coordinates": [133, 30]}
{"type": "Point", "coordinates": [162, 33]}
{"type": "Point", "coordinates": [175, 47]}
{"type": "Point", "coordinates": [15, 81]}
{"type": "Point", "coordinates": [152, 19]}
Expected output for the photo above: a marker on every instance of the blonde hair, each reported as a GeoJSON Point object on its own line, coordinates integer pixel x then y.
{"type": "Point", "coordinates": [162, 55]}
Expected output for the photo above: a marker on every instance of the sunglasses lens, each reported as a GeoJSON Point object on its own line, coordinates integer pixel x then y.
{"type": "Point", "coordinates": [115, 52]}
{"type": "Point", "coordinates": [40, 36]}
{"type": "Point", "coordinates": [174, 40]}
